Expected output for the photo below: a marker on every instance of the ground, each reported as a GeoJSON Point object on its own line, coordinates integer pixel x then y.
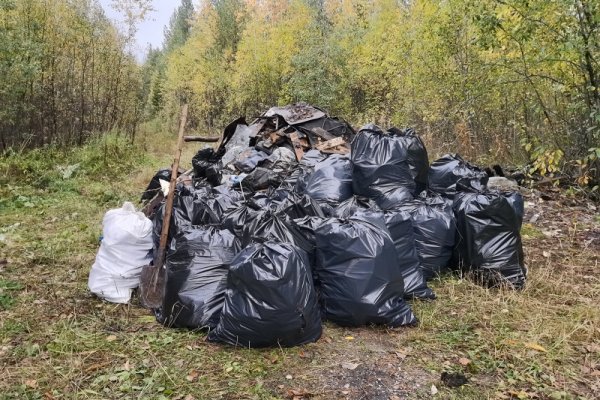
{"type": "Point", "coordinates": [58, 341]}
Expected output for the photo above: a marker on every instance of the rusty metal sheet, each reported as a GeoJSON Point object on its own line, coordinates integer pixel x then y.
{"type": "Point", "coordinates": [296, 113]}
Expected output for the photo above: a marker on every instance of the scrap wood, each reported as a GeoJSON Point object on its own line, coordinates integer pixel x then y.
{"type": "Point", "coordinates": [337, 150]}
{"type": "Point", "coordinates": [275, 137]}
{"type": "Point", "coordinates": [322, 133]}
{"type": "Point", "coordinates": [304, 142]}
{"type": "Point", "coordinates": [338, 141]}
{"type": "Point", "coordinates": [297, 145]}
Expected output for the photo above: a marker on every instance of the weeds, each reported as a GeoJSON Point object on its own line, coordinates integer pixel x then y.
{"type": "Point", "coordinates": [7, 289]}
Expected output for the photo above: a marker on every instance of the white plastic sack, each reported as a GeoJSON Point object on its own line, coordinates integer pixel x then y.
{"type": "Point", "coordinates": [125, 248]}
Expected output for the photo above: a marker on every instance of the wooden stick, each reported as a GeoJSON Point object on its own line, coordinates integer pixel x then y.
{"type": "Point", "coordinates": [169, 204]}
{"type": "Point", "coordinates": [205, 139]}
{"type": "Point", "coordinates": [152, 293]}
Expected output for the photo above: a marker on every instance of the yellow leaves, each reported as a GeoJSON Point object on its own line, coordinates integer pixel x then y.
{"type": "Point", "coordinates": [527, 345]}
{"type": "Point", "coordinates": [546, 161]}
{"type": "Point", "coordinates": [521, 395]}
{"type": "Point", "coordinates": [536, 347]}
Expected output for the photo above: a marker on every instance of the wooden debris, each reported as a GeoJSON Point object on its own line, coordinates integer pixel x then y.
{"type": "Point", "coordinates": [338, 150]}
{"type": "Point", "coordinates": [338, 141]}
{"type": "Point", "coordinates": [322, 133]}
{"type": "Point", "coordinates": [204, 139]}
{"type": "Point", "coordinates": [297, 146]}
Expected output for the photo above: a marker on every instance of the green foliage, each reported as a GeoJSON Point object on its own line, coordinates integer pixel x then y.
{"type": "Point", "coordinates": [7, 292]}
{"type": "Point", "coordinates": [107, 156]}
{"type": "Point", "coordinates": [479, 78]}
{"type": "Point", "coordinates": [179, 27]}
{"type": "Point", "coordinates": [544, 161]}
{"type": "Point", "coordinates": [474, 77]}
{"type": "Point", "coordinates": [65, 74]}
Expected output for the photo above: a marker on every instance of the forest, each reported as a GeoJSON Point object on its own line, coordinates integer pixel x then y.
{"type": "Point", "coordinates": [512, 81]}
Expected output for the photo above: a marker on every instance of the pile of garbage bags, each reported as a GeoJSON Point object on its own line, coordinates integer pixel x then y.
{"type": "Point", "coordinates": [296, 218]}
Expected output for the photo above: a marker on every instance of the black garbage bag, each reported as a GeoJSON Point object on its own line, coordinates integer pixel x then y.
{"type": "Point", "coordinates": [357, 267]}
{"type": "Point", "coordinates": [196, 277]}
{"type": "Point", "coordinates": [349, 207]}
{"type": "Point", "coordinates": [381, 170]}
{"type": "Point", "coordinates": [238, 220]}
{"type": "Point", "coordinates": [331, 180]}
{"type": "Point", "coordinates": [400, 227]}
{"type": "Point", "coordinates": [416, 155]}
{"type": "Point", "coordinates": [201, 206]}
{"type": "Point", "coordinates": [259, 179]}
{"type": "Point", "coordinates": [489, 240]}
{"type": "Point", "coordinates": [435, 228]}
{"type": "Point", "coordinates": [219, 204]}
{"type": "Point", "coordinates": [272, 226]}
{"type": "Point", "coordinates": [330, 127]}
{"type": "Point", "coordinates": [306, 227]}
{"type": "Point", "coordinates": [249, 159]}
{"type": "Point", "coordinates": [516, 201]}
{"type": "Point", "coordinates": [235, 195]}
{"type": "Point", "coordinates": [298, 206]}
{"type": "Point", "coordinates": [270, 300]}
{"type": "Point", "coordinates": [254, 218]}
{"type": "Point", "coordinates": [298, 178]}
{"type": "Point", "coordinates": [206, 165]}
{"type": "Point", "coordinates": [451, 174]}
{"type": "Point", "coordinates": [154, 185]}
{"type": "Point", "coordinates": [186, 212]}
{"type": "Point", "coordinates": [312, 158]}
{"type": "Point", "coordinates": [278, 195]}
{"type": "Point", "coordinates": [263, 178]}
{"type": "Point", "coordinates": [410, 143]}
{"type": "Point", "coordinates": [191, 206]}
{"type": "Point", "coordinates": [261, 201]}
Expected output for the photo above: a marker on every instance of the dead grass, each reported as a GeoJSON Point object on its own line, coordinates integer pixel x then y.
{"type": "Point", "coordinates": [57, 341]}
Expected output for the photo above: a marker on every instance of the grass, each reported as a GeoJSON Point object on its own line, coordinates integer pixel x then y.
{"type": "Point", "coordinates": [6, 293]}
{"type": "Point", "coordinates": [57, 341]}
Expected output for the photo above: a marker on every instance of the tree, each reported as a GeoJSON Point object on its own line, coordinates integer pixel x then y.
{"type": "Point", "coordinates": [65, 74]}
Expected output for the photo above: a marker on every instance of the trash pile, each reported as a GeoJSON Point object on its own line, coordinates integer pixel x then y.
{"type": "Point", "coordinates": [296, 218]}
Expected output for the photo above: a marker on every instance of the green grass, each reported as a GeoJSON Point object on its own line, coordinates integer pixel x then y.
{"type": "Point", "coordinates": [529, 231]}
{"type": "Point", "coordinates": [58, 341]}
{"type": "Point", "coordinates": [7, 289]}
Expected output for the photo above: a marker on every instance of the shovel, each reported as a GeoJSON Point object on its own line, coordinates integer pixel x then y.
{"type": "Point", "coordinates": [152, 279]}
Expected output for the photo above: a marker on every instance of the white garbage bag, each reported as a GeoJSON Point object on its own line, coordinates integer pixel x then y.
{"type": "Point", "coordinates": [126, 247]}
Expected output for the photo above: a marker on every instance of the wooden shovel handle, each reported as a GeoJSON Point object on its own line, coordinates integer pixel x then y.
{"type": "Point", "coordinates": [160, 257]}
